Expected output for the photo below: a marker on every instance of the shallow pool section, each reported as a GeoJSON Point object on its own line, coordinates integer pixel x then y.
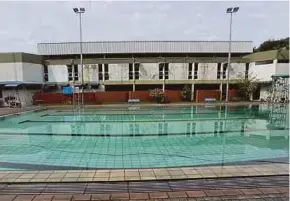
{"type": "Point", "coordinates": [144, 137]}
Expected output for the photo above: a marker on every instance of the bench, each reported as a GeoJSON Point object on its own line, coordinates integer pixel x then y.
{"type": "Point", "coordinates": [209, 100]}
{"type": "Point", "coordinates": [133, 100]}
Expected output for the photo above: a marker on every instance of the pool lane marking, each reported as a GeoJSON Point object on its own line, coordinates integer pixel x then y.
{"type": "Point", "coordinates": [133, 121]}
{"type": "Point", "coordinates": [143, 135]}
{"type": "Point", "coordinates": [109, 114]}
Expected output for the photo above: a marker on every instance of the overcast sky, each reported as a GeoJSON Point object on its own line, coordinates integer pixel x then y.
{"type": "Point", "coordinates": [24, 24]}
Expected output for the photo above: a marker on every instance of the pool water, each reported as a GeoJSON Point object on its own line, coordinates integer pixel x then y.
{"type": "Point", "coordinates": [143, 137]}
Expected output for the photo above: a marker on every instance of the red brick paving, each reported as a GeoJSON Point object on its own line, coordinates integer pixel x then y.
{"type": "Point", "coordinates": [284, 189]}
{"type": "Point", "coordinates": [100, 197]}
{"type": "Point", "coordinates": [232, 192]}
{"type": "Point", "coordinates": [214, 193]}
{"type": "Point", "coordinates": [251, 191]}
{"type": "Point", "coordinates": [139, 196]}
{"type": "Point", "coordinates": [195, 194]}
{"type": "Point", "coordinates": [81, 197]}
{"type": "Point", "coordinates": [158, 195]}
{"type": "Point", "coordinates": [43, 198]}
{"type": "Point", "coordinates": [24, 198]}
{"type": "Point", "coordinates": [178, 194]}
{"type": "Point", "coordinates": [120, 196]}
{"type": "Point", "coordinates": [269, 190]}
{"type": "Point", "coordinates": [62, 198]}
{"type": "Point", "coordinates": [223, 193]}
{"type": "Point", "coordinates": [7, 197]}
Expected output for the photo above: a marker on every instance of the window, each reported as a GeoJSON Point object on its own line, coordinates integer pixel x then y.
{"type": "Point", "coordinates": [136, 66]}
{"type": "Point", "coordinates": [190, 71]}
{"type": "Point", "coordinates": [247, 71]}
{"type": "Point", "coordinates": [195, 70]}
{"type": "Point", "coordinates": [130, 71]}
{"type": "Point", "coordinates": [69, 70]}
{"type": "Point", "coordinates": [225, 66]}
{"type": "Point", "coordinates": [136, 70]}
{"type": "Point", "coordinates": [45, 73]}
{"type": "Point", "coordinates": [219, 71]}
{"type": "Point", "coordinates": [263, 62]}
{"type": "Point", "coordinates": [100, 70]}
{"type": "Point", "coordinates": [283, 61]}
{"type": "Point", "coordinates": [106, 71]}
{"type": "Point", "coordinates": [76, 72]}
{"type": "Point", "coordinates": [166, 73]}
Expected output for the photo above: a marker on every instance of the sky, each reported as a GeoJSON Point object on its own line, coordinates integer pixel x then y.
{"type": "Point", "coordinates": [23, 24]}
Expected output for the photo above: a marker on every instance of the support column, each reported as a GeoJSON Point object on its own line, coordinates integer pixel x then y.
{"type": "Point", "coordinates": [133, 75]}
{"type": "Point", "coordinates": [221, 91]}
{"type": "Point", "coordinates": [192, 92]}
{"type": "Point", "coordinates": [163, 72]}
{"type": "Point", "coordinates": [103, 71]}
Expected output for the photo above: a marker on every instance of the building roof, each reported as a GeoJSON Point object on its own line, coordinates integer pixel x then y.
{"type": "Point", "coordinates": [116, 47]}
{"type": "Point", "coordinates": [14, 57]}
{"type": "Point", "coordinates": [281, 54]}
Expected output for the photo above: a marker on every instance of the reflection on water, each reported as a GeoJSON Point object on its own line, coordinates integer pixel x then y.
{"type": "Point", "coordinates": [144, 138]}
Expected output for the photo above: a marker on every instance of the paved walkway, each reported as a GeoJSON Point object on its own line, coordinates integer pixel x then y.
{"type": "Point", "coordinates": [144, 174]}
{"type": "Point", "coordinates": [7, 111]}
{"type": "Point", "coordinates": [254, 188]}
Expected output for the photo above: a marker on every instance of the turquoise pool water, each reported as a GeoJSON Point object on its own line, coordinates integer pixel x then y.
{"type": "Point", "coordinates": [143, 137]}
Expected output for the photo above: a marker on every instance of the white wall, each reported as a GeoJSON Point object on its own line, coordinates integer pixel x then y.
{"type": "Point", "coordinates": [118, 72]}
{"type": "Point", "coordinates": [57, 73]}
{"type": "Point", "coordinates": [262, 72]}
{"type": "Point", "coordinates": [32, 72]}
{"type": "Point", "coordinates": [11, 72]}
{"type": "Point", "coordinates": [282, 68]}
{"type": "Point", "coordinates": [237, 70]}
{"type": "Point", "coordinates": [149, 71]}
{"type": "Point", "coordinates": [91, 73]}
{"type": "Point", "coordinates": [206, 71]}
{"type": "Point", "coordinates": [178, 71]}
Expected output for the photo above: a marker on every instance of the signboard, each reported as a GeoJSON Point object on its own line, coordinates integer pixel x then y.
{"type": "Point", "coordinates": [67, 90]}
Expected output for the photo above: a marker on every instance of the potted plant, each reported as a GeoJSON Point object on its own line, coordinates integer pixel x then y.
{"type": "Point", "coordinates": [158, 95]}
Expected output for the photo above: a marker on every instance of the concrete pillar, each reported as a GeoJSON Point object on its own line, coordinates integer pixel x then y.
{"type": "Point", "coordinates": [103, 71]}
{"type": "Point", "coordinates": [134, 76]}
{"type": "Point", "coordinates": [221, 91]}
{"type": "Point", "coordinates": [192, 92]}
{"type": "Point", "coordinates": [163, 72]}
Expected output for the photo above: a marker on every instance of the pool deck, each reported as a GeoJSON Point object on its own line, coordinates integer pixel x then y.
{"type": "Point", "coordinates": [117, 175]}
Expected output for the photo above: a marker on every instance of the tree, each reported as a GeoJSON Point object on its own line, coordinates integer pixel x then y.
{"type": "Point", "coordinates": [246, 87]}
{"type": "Point", "coordinates": [273, 45]}
{"type": "Point", "coordinates": [186, 93]}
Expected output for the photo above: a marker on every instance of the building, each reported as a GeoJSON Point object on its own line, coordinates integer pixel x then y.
{"type": "Point", "coordinates": [137, 66]}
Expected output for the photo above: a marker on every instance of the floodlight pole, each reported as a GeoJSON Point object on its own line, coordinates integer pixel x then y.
{"type": "Point", "coordinates": [229, 59]}
{"type": "Point", "coordinates": [80, 11]}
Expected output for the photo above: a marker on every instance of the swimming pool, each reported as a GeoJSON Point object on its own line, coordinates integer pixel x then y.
{"type": "Point", "coordinates": [142, 137]}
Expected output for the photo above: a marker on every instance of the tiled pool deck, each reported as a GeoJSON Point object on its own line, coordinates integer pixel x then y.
{"type": "Point", "coordinates": [143, 174]}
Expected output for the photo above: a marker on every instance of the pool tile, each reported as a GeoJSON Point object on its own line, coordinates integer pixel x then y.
{"type": "Point", "coordinates": [132, 178]}
{"type": "Point", "coordinates": [163, 176]}
{"type": "Point", "coordinates": [146, 173]}
{"type": "Point", "coordinates": [85, 179]}
{"type": "Point", "coordinates": [116, 178]}
{"type": "Point", "coordinates": [148, 178]}
{"type": "Point", "coordinates": [101, 179]}
{"type": "Point", "coordinates": [72, 174]}
{"type": "Point", "coordinates": [26, 176]}
{"type": "Point", "coordinates": [102, 174]}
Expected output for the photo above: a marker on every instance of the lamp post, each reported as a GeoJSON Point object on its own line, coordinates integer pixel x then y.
{"type": "Point", "coordinates": [80, 11]}
{"type": "Point", "coordinates": [230, 10]}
